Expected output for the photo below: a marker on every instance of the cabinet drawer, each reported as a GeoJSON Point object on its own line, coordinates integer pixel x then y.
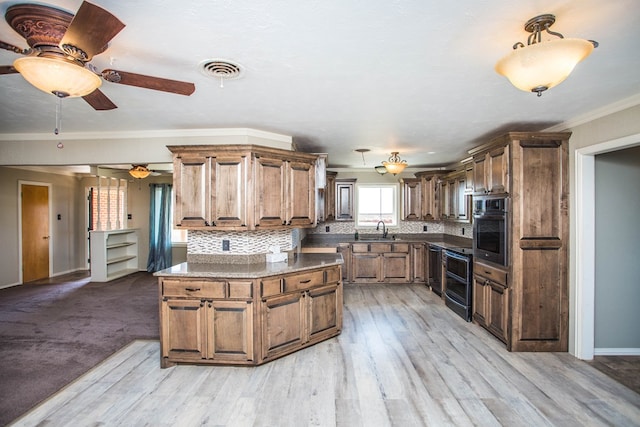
{"type": "Point", "coordinates": [489, 272]}
{"type": "Point", "coordinates": [401, 247]}
{"type": "Point", "coordinates": [270, 287]}
{"type": "Point", "coordinates": [303, 280]}
{"type": "Point", "coordinates": [381, 247]}
{"type": "Point", "coordinates": [193, 288]}
{"type": "Point", "coordinates": [240, 289]}
{"type": "Point", "coordinates": [333, 275]}
{"type": "Point", "coordinates": [360, 247]}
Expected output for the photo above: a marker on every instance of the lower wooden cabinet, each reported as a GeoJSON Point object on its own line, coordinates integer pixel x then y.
{"type": "Point", "coordinates": [247, 322]}
{"type": "Point", "coordinates": [380, 262]}
{"type": "Point", "coordinates": [298, 319]}
{"type": "Point", "coordinates": [490, 300]}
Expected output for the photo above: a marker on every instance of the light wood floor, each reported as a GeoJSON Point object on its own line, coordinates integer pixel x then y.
{"type": "Point", "coordinates": [403, 359]}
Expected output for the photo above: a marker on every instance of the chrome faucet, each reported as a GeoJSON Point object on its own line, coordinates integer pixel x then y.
{"type": "Point", "coordinates": [384, 229]}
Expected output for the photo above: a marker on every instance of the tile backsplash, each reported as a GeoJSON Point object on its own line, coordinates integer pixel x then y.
{"type": "Point", "coordinates": [405, 227]}
{"type": "Point", "coordinates": [241, 242]}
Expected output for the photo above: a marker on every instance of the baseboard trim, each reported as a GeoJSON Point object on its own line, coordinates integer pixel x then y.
{"type": "Point", "coordinates": [616, 351]}
{"type": "Point", "coordinates": [62, 273]}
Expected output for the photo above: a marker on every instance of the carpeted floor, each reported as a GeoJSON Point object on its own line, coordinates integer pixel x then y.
{"type": "Point", "coordinates": [54, 330]}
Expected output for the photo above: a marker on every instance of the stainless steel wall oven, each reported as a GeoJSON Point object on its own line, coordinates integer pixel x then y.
{"type": "Point", "coordinates": [490, 229]}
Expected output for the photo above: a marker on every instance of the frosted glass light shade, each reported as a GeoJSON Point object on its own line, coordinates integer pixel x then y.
{"type": "Point", "coordinates": [139, 171]}
{"type": "Point", "coordinates": [57, 76]}
{"type": "Point", "coordinates": [394, 168]}
{"type": "Point", "coordinates": [543, 65]}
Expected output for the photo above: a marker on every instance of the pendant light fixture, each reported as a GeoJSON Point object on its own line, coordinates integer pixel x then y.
{"type": "Point", "coordinates": [139, 171]}
{"type": "Point", "coordinates": [395, 165]}
{"type": "Point", "coordinates": [543, 64]}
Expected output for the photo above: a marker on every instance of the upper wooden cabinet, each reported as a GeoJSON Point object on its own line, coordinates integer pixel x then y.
{"type": "Point", "coordinates": [412, 199]}
{"type": "Point", "coordinates": [491, 167]}
{"type": "Point", "coordinates": [455, 200]}
{"type": "Point", "coordinates": [242, 187]}
{"type": "Point", "coordinates": [430, 193]}
{"type": "Point", "coordinates": [345, 190]}
{"type": "Point", "coordinates": [330, 196]}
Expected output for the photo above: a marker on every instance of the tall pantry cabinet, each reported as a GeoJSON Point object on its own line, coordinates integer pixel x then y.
{"type": "Point", "coordinates": [531, 310]}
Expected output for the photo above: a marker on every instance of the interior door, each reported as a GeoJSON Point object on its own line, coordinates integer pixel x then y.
{"type": "Point", "coordinates": [35, 232]}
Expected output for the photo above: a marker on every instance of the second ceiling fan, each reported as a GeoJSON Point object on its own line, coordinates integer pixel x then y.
{"type": "Point", "coordinates": [61, 47]}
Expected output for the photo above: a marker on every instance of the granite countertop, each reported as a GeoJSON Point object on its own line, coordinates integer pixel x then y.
{"type": "Point", "coordinates": [298, 262]}
{"type": "Point", "coordinates": [444, 241]}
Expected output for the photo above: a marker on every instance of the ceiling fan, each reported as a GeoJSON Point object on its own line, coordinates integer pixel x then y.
{"type": "Point", "coordinates": [61, 47]}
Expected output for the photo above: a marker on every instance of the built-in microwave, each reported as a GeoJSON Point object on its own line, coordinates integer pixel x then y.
{"type": "Point", "coordinates": [490, 229]}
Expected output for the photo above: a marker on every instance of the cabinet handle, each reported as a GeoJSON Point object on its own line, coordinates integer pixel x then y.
{"type": "Point", "coordinates": [305, 281]}
{"type": "Point", "coordinates": [487, 272]}
{"type": "Point", "coordinates": [192, 289]}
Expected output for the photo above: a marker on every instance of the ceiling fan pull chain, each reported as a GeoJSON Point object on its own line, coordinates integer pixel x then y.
{"type": "Point", "coordinates": [58, 128]}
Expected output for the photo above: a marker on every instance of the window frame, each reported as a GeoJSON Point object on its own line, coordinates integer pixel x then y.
{"type": "Point", "coordinates": [395, 213]}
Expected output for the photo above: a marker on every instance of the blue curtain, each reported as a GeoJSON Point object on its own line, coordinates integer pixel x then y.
{"type": "Point", "coordinates": [159, 228]}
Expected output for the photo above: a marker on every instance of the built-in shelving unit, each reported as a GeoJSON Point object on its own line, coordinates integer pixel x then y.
{"type": "Point", "coordinates": [114, 254]}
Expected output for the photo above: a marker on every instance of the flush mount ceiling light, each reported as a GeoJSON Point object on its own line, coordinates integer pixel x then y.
{"type": "Point", "coordinates": [395, 165]}
{"type": "Point", "coordinates": [60, 77]}
{"type": "Point", "coordinates": [139, 171]}
{"type": "Point", "coordinates": [542, 65]}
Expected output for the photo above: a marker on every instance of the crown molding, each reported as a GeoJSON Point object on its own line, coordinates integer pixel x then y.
{"type": "Point", "coordinates": [598, 113]}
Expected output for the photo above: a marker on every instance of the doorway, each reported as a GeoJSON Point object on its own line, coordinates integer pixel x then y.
{"type": "Point", "coordinates": [584, 268]}
{"type": "Point", "coordinates": [35, 227]}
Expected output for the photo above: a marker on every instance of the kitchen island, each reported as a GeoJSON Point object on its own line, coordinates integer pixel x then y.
{"type": "Point", "coordinates": [248, 314]}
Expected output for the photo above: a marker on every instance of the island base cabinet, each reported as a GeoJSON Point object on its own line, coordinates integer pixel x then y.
{"type": "Point", "coordinates": [229, 331]}
{"type": "Point", "coordinates": [283, 319]}
{"type": "Point", "coordinates": [182, 331]}
{"type": "Point", "coordinates": [325, 313]}
{"type": "Point", "coordinates": [200, 330]}
{"type": "Point", "coordinates": [300, 319]}
{"type": "Point", "coordinates": [220, 321]}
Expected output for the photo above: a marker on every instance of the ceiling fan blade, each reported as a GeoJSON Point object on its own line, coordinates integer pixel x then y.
{"type": "Point", "coordinates": [7, 69]}
{"type": "Point", "coordinates": [12, 48]}
{"type": "Point", "coordinates": [90, 30]}
{"type": "Point", "coordinates": [148, 82]}
{"type": "Point", "coordinates": [99, 101]}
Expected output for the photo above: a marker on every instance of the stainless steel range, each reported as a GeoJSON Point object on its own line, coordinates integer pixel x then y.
{"type": "Point", "coordinates": [458, 264]}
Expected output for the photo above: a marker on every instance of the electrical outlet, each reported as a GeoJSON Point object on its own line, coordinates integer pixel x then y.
{"type": "Point", "coordinates": [424, 228]}
{"type": "Point", "coordinates": [225, 245]}
{"type": "Point", "coordinates": [326, 228]}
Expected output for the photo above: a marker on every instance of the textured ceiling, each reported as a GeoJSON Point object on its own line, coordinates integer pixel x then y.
{"type": "Point", "coordinates": [410, 76]}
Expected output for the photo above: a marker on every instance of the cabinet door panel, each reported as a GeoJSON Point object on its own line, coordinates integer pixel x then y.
{"type": "Point", "coordinates": [412, 200]}
{"type": "Point", "coordinates": [498, 307]}
{"type": "Point", "coordinates": [282, 323]}
{"type": "Point", "coordinates": [480, 300]}
{"type": "Point", "coordinates": [395, 267]}
{"type": "Point", "coordinates": [229, 198]}
{"type": "Point", "coordinates": [301, 211]}
{"type": "Point", "coordinates": [324, 311]}
{"type": "Point", "coordinates": [270, 186]}
{"type": "Point", "coordinates": [230, 330]}
{"type": "Point", "coordinates": [183, 331]}
{"type": "Point", "coordinates": [365, 267]}
{"type": "Point", "coordinates": [191, 178]}
{"type": "Point", "coordinates": [418, 262]}
{"type": "Point", "coordinates": [344, 200]}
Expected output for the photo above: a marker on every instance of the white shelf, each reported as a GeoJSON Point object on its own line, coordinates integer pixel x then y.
{"type": "Point", "coordinates": [114, 254]}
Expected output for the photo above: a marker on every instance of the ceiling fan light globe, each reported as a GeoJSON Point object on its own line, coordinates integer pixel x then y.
{"type": "Point", "coordinates": [394, 168]}
{"type": "Point", "coordinates": [544, 64]}
{"type": "Point", "coordinates": [57, 76]}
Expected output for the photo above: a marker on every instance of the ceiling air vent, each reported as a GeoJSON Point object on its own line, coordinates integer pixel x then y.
{"type": "Point", "coordinates": [220, 69]}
